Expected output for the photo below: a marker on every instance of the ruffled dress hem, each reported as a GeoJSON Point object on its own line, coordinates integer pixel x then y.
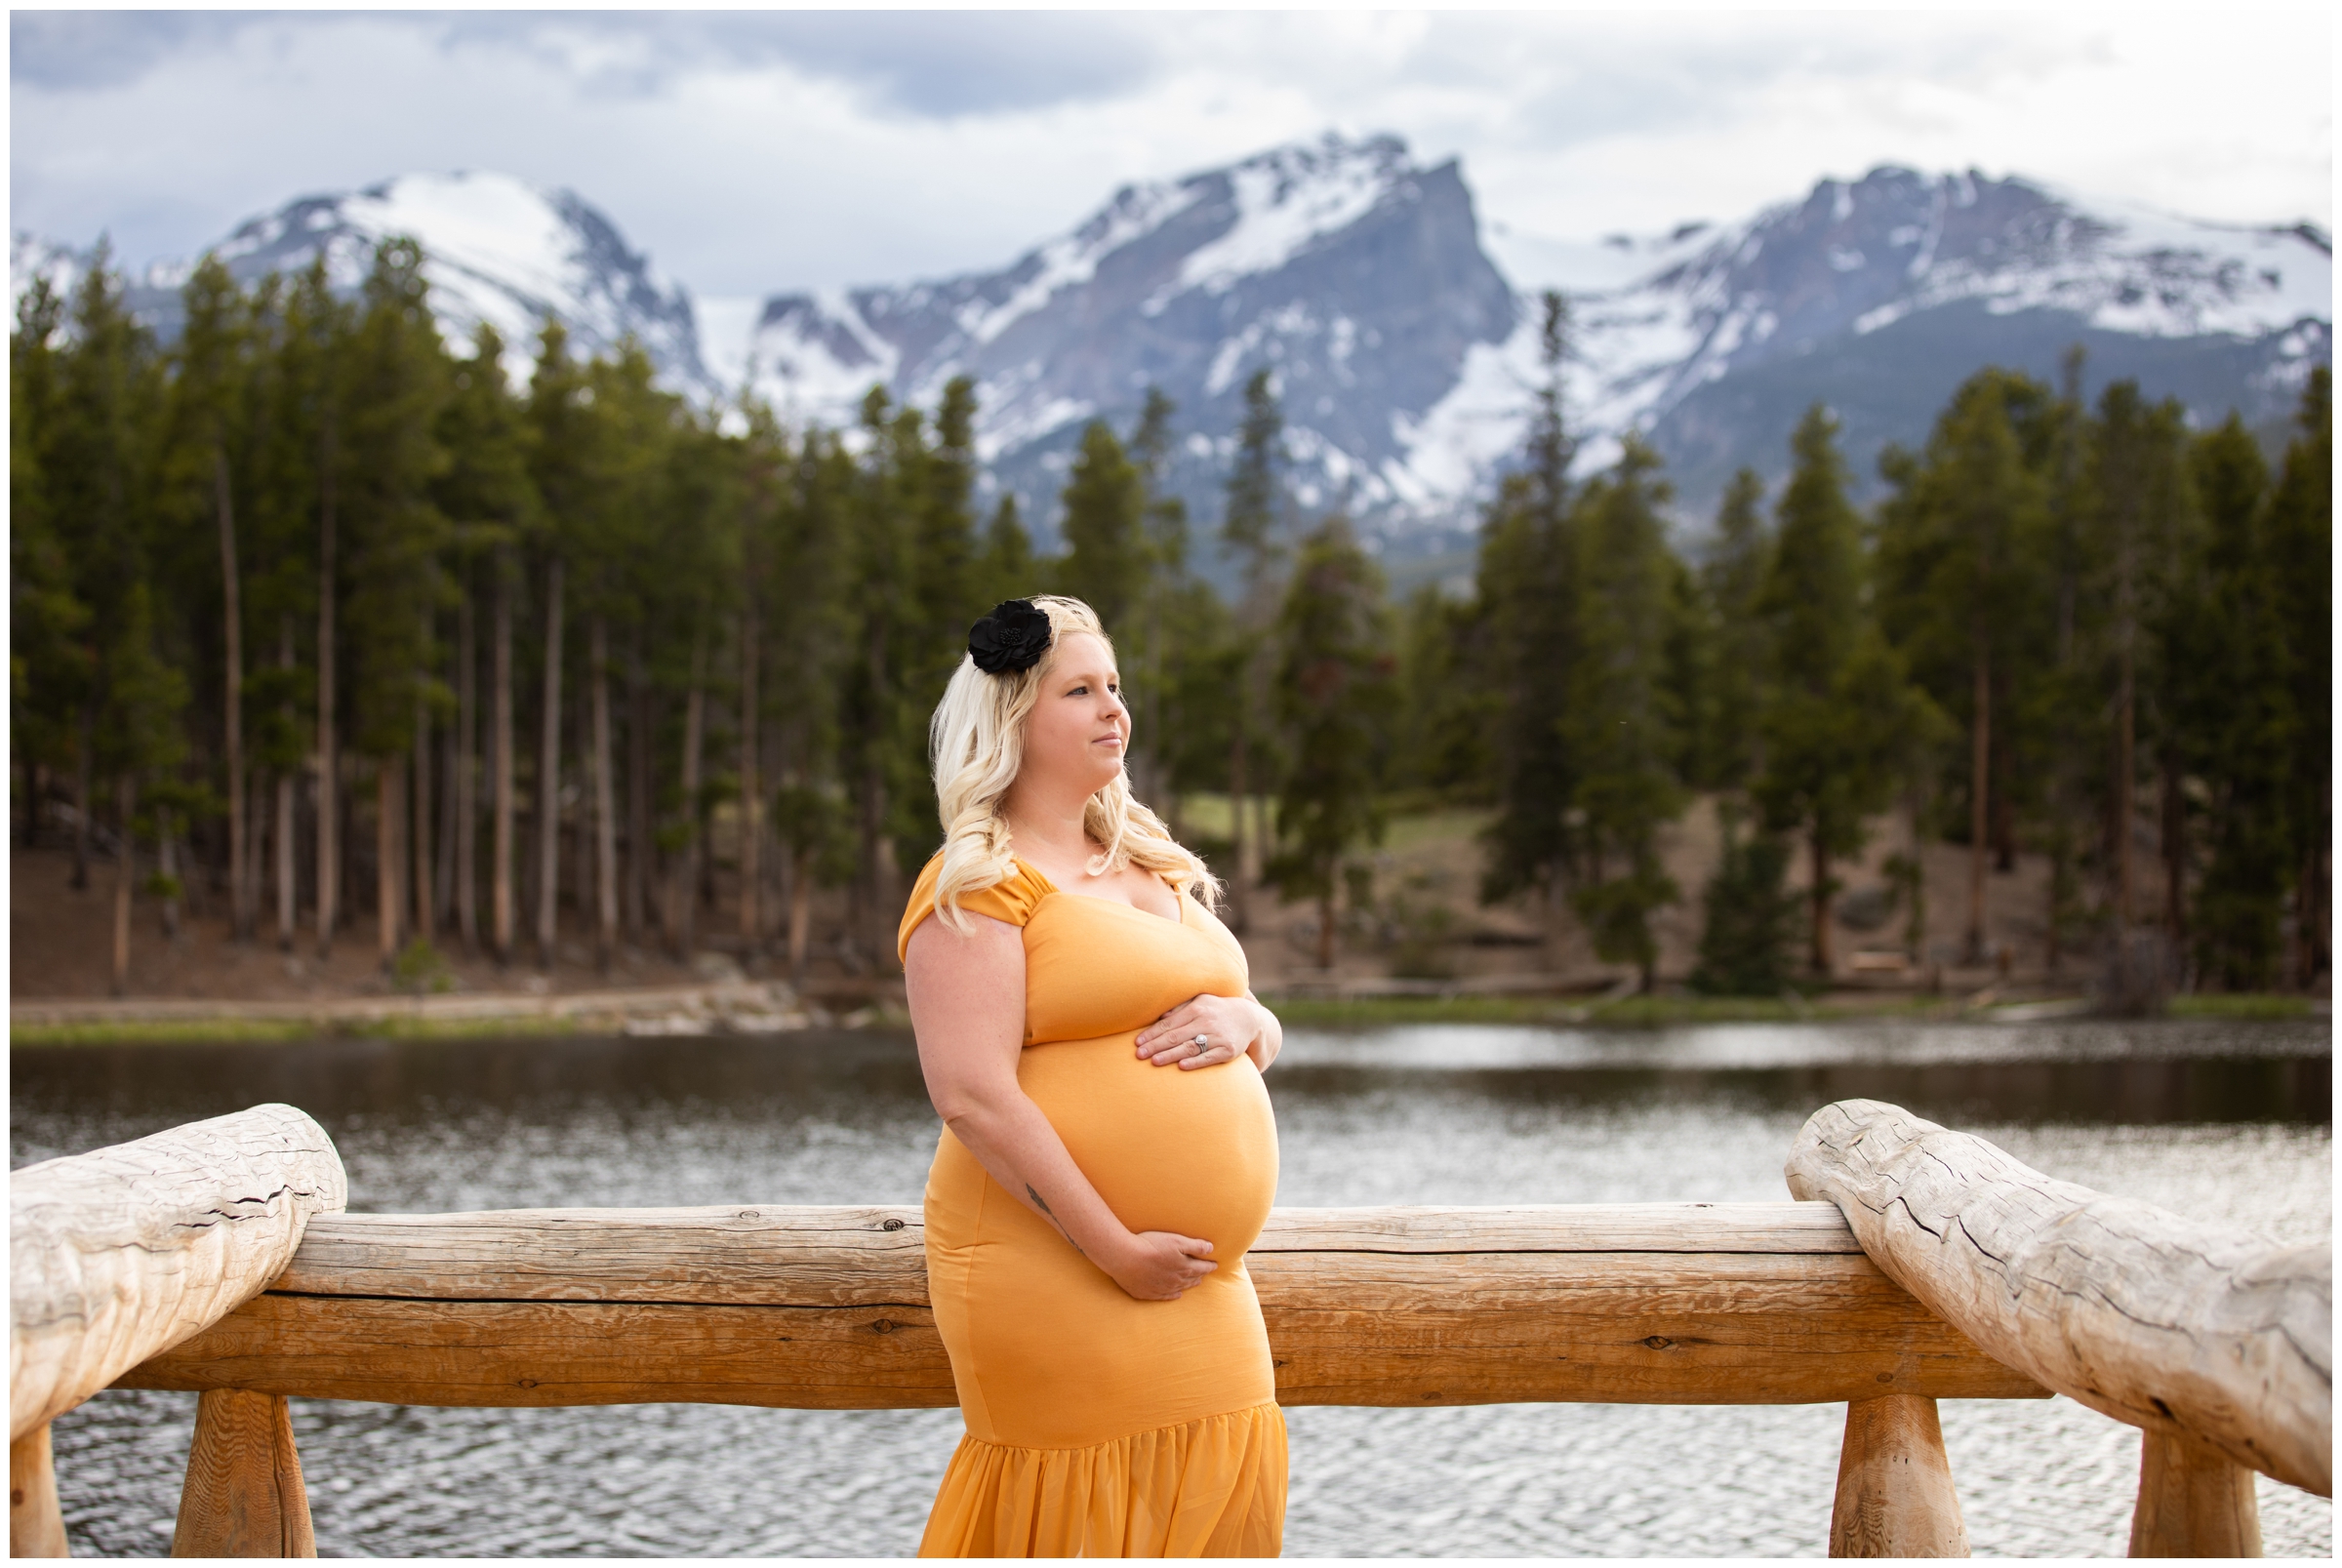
{"type": "Point", "coordinates": [1207, 1488]}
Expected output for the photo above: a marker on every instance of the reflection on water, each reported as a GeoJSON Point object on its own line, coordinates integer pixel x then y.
{"type": "Point", "coordinates": [2222, 1123]}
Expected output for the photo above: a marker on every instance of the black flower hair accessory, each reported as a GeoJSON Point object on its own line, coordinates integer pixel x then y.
{"type": "Point", "coordinates": [1011, 639]}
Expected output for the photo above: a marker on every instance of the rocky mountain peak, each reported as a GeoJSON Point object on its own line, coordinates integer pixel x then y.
{"type": "Point", "coordinates": [497, 250]}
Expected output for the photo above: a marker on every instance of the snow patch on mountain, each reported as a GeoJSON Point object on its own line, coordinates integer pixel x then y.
{"type": "Point", "coordinates": [1856, 258]}
{"type": "Point", "coordinates": [1288, 198]}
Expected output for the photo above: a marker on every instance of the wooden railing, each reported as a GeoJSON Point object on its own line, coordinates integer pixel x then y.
{"type": "Point", "coordinates": [826, 1307]}
{"type": "Point", "coordinates": [2217, 1344]}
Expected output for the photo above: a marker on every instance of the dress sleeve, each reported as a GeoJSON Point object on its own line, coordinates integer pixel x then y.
{"type": "Point", "coordinates": [1012, 900]}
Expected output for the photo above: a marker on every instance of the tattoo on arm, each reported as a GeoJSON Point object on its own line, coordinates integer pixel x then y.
{"type": "Point", "coordinates": [1043, 1204]}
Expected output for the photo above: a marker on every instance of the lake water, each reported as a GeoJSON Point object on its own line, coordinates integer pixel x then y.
{"type": "Point", "coordinates": [2227, 1123]}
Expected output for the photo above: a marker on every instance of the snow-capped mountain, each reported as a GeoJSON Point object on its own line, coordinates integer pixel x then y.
{"type": "Point", "coordinates": [1878, 296]}
{"type": "Point", "coordinates": [1406, 362]}
{"type": "Point", "coordinates": [497, 250]}
{"type": "Point", "coordinates": [1405, 355]}
{"type": "Point", "coordinates": [1352, 271]}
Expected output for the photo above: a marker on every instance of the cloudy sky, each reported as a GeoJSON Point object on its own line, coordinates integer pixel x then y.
{"type": "Point", "coordinates": [749, 151]}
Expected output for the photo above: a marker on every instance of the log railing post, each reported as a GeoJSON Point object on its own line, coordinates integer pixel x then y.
{"type": "Point", "coordinates": [124, 1252]}
{"type": "Point", "coordinates": [2194, 1502]}
{"type": "Point", "coordinates": [36, 1527]}
{"type": "Point", "coordinates": [1895, 1497]}
{"type": "Point", "coordinates": [244, 1496]}
{"type": "Point", "coordinates": [2216, 1343]}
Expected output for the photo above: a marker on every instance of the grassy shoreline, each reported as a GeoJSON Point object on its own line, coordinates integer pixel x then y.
{"type": "Point", "coordinates": [1628, 1013]}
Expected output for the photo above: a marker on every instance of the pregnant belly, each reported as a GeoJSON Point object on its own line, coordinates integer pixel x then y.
{"type": "Point", "coordinates": [1192, 1153]}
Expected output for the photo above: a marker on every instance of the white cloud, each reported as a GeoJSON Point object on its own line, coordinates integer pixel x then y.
{"type": "Point", "coordinates": [757, 152]}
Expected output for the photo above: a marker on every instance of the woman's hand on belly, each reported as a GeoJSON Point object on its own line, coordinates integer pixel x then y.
{"type": "Point", "coordinates": [1159, 1265]}
{"type": "Point", "coordinates": [1205, 1031]}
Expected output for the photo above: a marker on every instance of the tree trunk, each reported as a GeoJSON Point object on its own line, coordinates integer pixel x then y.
{"type": "Point", "coordinates": [2175, 854]}
{"type": "Point", "coordinates": [605, 805]}
{"type": "Point", "coordinates": [1821, 903]}
{"type": "Point", "coordinates": [639, 792]}
{"type": "Point", "coordinates": [126, 803]}
{"type": "Point", "coordinates": [1325, 931]}
{"type": "Point", "coordinates": [502, 905]}
{"type": "Point", "coordinates": [1239, 900]}
{"type": "Point", "coordinates": [1979, 792]}
{"type": "Point", "coordinates": [548, 777]}
{"type": "Point", "coordinates": [2004, 812]}
{"type": "Point", "coordinates": [287, 871]}
{"type": "Point", "coordinates": [239, 884]}
{"type": "Point", "coordinates": [83, 801]}
{"type": "Point", "coordinates": [1914, 929]}
{"type": "Point", "coordinates": [683, 896]}
{"type": "Point", "coordinates": [752, 786]}
{"type": "Point", "coordinates": [166, 871]}
{"type": "Point", "coordinates": [2125, 762]}
{"type": "Point", "coordinates": [329, 761]}
{"type": "Point", "coordinates": [466, 781]}
{"type": "Point", "coordinates": [2312, 936]}
{"type": "Point", "coordinates": [800, 914]}
{"type": "Point", "coordinates": [387, 807]}
{"type": "Point", "coordinates": [426, 906]}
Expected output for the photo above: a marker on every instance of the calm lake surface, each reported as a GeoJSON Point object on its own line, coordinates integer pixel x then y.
{"type": "Point", "coordinates": [2229, 1123]}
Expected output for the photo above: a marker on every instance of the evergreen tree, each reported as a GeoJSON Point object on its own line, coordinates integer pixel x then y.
{"type": "Point", "coordinates": [2301, 547]}
{"type": "Point", "coordinates": [1835, 717]}
{"type": "Point", "coordinates": [1730, 581]}
{"type": "Point", "coordinates": [307, 464]}
{"type": "Point", "coordinates": [1445, 712]}
{"type": "Point", "coordinates": [51, 660]}
{"type": "Point", "coordinates": [397, 379]}
{"type": "Point", "coordinates": [940, 480]}
{"type": "Point", "coordinates": [139, 739]}
{"type": "Point", "coordinates": [100, 477]}
{"type": "Point", "coordinates": [1530, 595]}
{"type": "Point", "coordinates": [1007, 563]}
{"type": "Point", "coordinates": [1619, 729]}
{"type": "Point", "coordinates": [1148, 656]}
{"type": "Point", "coordinates": [2240, 715]}
{"type": "Point", "coordinates": [1107, 563]}
{"type": "Point", "coordinates": [2133, 545]}
{"type": "Point", "coordinates": [195, 489]}
{"type": "Point", "coordinates": [1750, 917]}
{"type": "Point", "coordinates": [1336, 697]}
{"type": "Point", "coordinates": [490, 501]}
{"type": "Point", "coordinates": [1250, 530]}
{"type": "Point", "coordinates": [1959, 583]}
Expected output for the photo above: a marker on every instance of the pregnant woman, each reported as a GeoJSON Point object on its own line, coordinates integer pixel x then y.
{"type": "Point", "coordinates": [1109, 1153]}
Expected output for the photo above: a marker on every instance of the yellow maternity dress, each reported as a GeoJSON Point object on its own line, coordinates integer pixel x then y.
{"type": "Point", "coordinates": [1099, 1426]}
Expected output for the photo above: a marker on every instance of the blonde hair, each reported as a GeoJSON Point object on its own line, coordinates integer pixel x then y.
{"type": "Point", "coordinates": [976, 741]}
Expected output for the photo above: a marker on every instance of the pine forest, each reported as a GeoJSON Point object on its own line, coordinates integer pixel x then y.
{"type": "Point", "coordinates": [334, 630]}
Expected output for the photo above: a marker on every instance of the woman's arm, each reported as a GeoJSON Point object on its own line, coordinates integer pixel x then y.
{"type": "Point", "coordinates": [967, 1008]}
{"type": "Point", "coordinates": [1231, 1026]}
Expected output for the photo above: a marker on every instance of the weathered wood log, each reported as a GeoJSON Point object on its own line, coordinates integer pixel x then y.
{"type": "Point", "coordinates": [826, 1307]}
{"type": "Point", "coordinates": [2156, 1320]}
{"type": "Point", "coordinates": [1895, 1497]}
{"type": "Point", "coordinates": [2194, 1501]}
{"type": "Point", "coordinates": [243, 1496]}
{"type": "Point", "coordinates": [120, 1253]}
{"type": "Point", "coordinates": [36, 1525]}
